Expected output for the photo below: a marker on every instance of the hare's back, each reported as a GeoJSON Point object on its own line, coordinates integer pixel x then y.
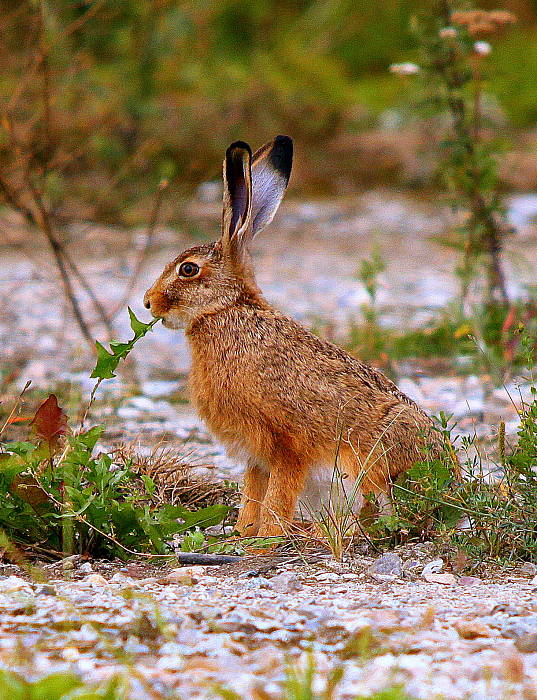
{"type": "Point", "coordinates": [258, 351]}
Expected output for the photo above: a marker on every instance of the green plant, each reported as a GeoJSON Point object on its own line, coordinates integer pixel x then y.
{"type": "Point", "coordinates": [369, 339]}
{"type": "Point", "coordinates": [454, 65]}
{"type": "Point", "coordinates": [336, 520]}
{"type": "Point", "coordinates": [58, 686]}
{"type": "Point", "coordinates": [396, 692]}
{"type": "Point", "coordinates": [497, 503]}
{"type": "Point", "coordinates": [57, 495]}
{"type": "Point", "coordinates": [299, 682]}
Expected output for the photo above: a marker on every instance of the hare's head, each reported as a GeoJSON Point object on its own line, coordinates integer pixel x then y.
{"type": "Point", "coordinates": [209, 277]}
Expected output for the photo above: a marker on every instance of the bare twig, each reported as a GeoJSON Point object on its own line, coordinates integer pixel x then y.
{"type": "Point", "coordinates": [45, 225]}
{"type": "Point", "coordinates": [150, 232]}
{"type": "Point", "coordinates": [15, 406]}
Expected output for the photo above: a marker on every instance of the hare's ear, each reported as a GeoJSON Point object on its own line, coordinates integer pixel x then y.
{"type": "Point", "coordinates": [271, 168]}
{"type": "Point", "coordinates": [236, 217]}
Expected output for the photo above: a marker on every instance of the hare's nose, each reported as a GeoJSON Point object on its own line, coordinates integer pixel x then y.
{"type": "Point", "coordinates": [147, 303]}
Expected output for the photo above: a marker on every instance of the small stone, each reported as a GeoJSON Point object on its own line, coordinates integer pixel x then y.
{"type": "Point", "coordinates": [469, 581]}
{"type": "Point", "coordinates": [389, 564]}
{"type": "Point", "coordinates": [96, 581]}
{"type": "Point", "coordinates": [527, 643]}
{"type": "Point", "coordinates": [46, 589]}
{"type": "Point", "coordinates": [14, 583]}
{"type": "Point", "coordinates": [528, 568]}
{"type": "Point", "coordinates": [328, 577]}
{"type": "Point", "coordinates": [518, 627]}
{"type": "Point", "coordinates": [85, 568]}
{"type": "Point", "coordinates": [70, 654]}
{"type": "Point", "coordinates": [285, 582]}
{"type": "Point", "coordinates": [186, 575]}
{"type": "Point", "coordinates": [411, 568]}
{"type": "Point", "coordinates": [472, 629]}
{"type": "Point", "coordinates": [433, 567]}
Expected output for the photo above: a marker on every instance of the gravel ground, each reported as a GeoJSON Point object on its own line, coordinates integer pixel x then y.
{"type": "Point", "coordinates": [181, 632]}
{"type": "Point", "coordinates": [437, 632]}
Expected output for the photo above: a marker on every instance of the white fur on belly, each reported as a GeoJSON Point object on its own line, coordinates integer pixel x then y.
{"type": "Point", "coordinates": [325, 490]}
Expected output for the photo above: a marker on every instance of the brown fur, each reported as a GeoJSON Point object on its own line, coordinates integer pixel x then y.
{"type": "Point", "coordinates": [277, 396]}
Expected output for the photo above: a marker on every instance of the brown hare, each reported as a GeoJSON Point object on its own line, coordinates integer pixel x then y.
{"type": "Point", "coordinates": [281, 399]}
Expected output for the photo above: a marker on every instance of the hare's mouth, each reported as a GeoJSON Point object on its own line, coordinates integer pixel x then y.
{"type": "Point", "coordinates": [172, 322]}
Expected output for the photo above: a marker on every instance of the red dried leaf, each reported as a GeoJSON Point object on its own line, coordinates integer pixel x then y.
{"type": "Point", "coordinates": [50, 422]}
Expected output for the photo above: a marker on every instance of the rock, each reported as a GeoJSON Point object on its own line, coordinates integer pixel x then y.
{"type": "Point", "coordinates": [186, 575]}
{"type": "Point", "coordinates": [527, 643]}
{"type": "Point", "coordinates": [285, 582]}
{"type": "Point", "coordinates": [469, 581]}
{"type": "Point", "coordinates": [46, 589]}
{"type": "Point", "coordinates": [411, 568]}
{"type": "Point", "coordinates": [472, 629]}
{"type": "Point", "coordinates": [528, 569]}
{"type": "Point", "coordinates": [14, 583]}
{"type": "Point", "coordinates": [96, 581]}
{"type": "Point", "coordinates": [86, 568]}
{"type": "Point", "coordinates": [515, 628]}
{"type": "Point", "coordinates": [327, 577]}
{"type": "Point", "coordinates": [433, 567]}
{"type": "Point", "coordinates": [389, 564]}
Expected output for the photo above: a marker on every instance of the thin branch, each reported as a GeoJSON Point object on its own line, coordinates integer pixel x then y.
{"type": "Point", "coordinates": [45, 225]}
{"type": "Point", "coordinates": [15, 406]}
{"type": "Point", "coordinates": [159, 195]}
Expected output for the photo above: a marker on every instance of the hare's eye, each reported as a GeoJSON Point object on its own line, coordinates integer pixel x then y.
{"type": "Point", "coordinates": [188, 269]}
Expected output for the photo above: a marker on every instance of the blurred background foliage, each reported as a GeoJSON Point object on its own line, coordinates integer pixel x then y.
{"type": "Point", "coordinates": [142, 90]}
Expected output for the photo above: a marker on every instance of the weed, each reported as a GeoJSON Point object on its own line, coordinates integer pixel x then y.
{"type": "Point", "coordinates": [58, 686]}
{"type": "Point", "coordinates": [59, 496]}
{"type": "Point", "coordinates": [336, 520]}
{"type": "Point", "coordinates": [496, 503]}
{"type": "Point", "coordinates": [299, 683]}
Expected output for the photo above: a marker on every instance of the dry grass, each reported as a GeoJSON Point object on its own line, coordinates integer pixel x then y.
{"type": "Point", "coordinates": [178, 474]}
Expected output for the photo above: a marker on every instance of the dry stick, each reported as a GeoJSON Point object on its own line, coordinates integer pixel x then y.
{"type": "Point", "coordinates": [159, 196]}
{"type": "Point", "coordinates": [89, 291]}
{"type": "Point", "coordinates": [79, 22]}
{"type": "Point", "coordinates": [12, 412]}
{"type": "Point", "coordinates": [46, 226]}
{"type": "Point", "coordinates": [59, 253]}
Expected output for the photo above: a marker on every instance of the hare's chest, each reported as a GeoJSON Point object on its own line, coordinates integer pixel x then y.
{"type": "Point", "coordinates": [216, 393]}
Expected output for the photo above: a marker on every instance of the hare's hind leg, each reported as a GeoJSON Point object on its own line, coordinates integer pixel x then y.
{"type": "Point", "coordinates": [254, 488]}
{"type": "Point", "coordinates": [286, 481]}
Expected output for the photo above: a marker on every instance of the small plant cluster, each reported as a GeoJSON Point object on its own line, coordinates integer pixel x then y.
{"type": "Point", "coordinates": [57, 686]}
{"type": "Point", "coordinates": [453, 67]}
{"type": "Point", "coordinates": [491, 512]}
{"type": "Point", "coordinates": [59, 496]}
{"type": "Point", "coordinates": [450, 86]}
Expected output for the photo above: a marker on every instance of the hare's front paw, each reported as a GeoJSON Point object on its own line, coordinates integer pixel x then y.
{"type": "Point", "coordinates": [271, 527]}
{"type": "Point", "coordinates": [246, 525]}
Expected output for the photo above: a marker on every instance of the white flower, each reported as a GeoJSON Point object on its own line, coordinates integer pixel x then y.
{"type": "Point", "coordinates": [404, 68]}
{"type": "Point", "coordinates": [483, 48]}
{"type": "Point", "coordinates": [448, 33]}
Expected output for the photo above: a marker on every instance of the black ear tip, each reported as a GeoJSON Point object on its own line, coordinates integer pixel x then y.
{"type": "Point", "coordinates": [239, 146]}
{"type": "Point", "coordinates": [281, 155]}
